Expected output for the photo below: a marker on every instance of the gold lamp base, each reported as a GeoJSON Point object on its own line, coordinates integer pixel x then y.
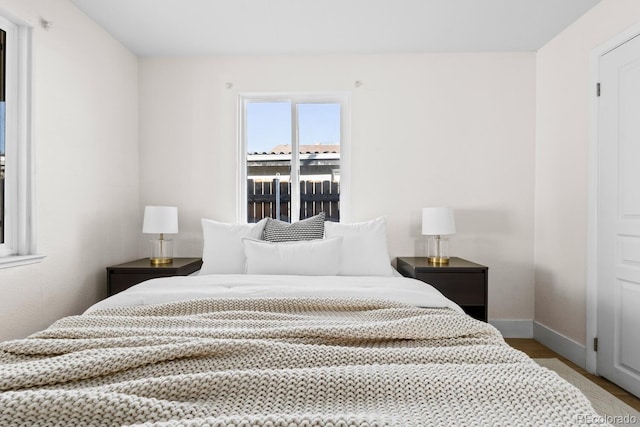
{"type": "Point", "coordinates": [161, 251]}
{"type": "Point", "coordinates": [438, 260]}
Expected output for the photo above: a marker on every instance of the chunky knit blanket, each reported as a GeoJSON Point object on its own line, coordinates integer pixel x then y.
{"type": "Point", "coordinates": [278, 362]}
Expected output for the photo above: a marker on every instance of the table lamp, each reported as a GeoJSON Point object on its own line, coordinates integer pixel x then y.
{"type": "Point", "coordinates": [161, 220]}
{"type": "Point", "coordinates": [436, 223]}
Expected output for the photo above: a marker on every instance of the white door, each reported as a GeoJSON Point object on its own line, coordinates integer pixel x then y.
{"type": "Point", "coordinates": [618, 217]}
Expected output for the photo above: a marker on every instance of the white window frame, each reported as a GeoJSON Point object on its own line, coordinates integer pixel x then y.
{"type": "Point", "coordinates": [345, 147]}
{"type": "Point", "coordinates": [19, 245]}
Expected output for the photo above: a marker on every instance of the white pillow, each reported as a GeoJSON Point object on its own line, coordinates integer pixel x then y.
{"type": "Point", "coordinates": [364, 247]}
{"type": "Point", "coordinates": [223, 252]}
{"type": "Point", "coordinates": [305, 257]}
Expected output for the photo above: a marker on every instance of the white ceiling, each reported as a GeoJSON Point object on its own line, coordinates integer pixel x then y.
{"type": "Point", "coordinates": [237, 27]}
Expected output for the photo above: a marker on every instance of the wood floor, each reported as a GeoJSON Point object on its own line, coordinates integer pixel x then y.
{"type": "Point", "coordinates": [535, 350]}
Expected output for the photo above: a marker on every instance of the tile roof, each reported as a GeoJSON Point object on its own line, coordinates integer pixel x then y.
{"type": "Point", "coordinates": [304, 149]}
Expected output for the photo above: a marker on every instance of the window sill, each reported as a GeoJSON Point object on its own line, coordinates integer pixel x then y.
{"type": "Point", "coordinates": [17, 260]}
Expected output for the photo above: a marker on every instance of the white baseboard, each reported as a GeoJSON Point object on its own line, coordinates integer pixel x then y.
{"type": "Point", "coordinates": [564, 346]}
{"type": "Point", "coordinates": [514, 328]}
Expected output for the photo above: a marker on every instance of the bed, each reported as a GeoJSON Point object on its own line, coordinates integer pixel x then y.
{"type": "Point", "coordinates": [278, 350]}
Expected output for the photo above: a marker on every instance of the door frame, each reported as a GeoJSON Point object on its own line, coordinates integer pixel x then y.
{"type": "Point", "coordinates": [592, 191]}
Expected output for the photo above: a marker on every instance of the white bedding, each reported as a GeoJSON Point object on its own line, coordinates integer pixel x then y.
{"type": "Point", "coordinates": [182, 288]}
{"type": "Point", "coordinates": [262, 362]}
{"type": "Point", "coordinates": [232, 350]}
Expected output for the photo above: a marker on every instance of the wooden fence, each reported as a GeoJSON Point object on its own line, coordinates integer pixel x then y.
{"type": "Point", "coordinates": [272, 199]}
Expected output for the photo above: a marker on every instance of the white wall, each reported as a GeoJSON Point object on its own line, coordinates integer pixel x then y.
{"type": "Point", "coordinates": [86, 128]}
{"type": "Point", "coordinates": [562, 130]}
{"type": "Point", "coordinates": [427, 130]}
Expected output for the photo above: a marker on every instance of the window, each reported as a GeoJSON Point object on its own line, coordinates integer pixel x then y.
{"type": "Point", "coordinates": [3, 40]}
{"type": "Point", "coordinates": [287, 140]}
{"type": "Point", "coordinates": [17, 239]}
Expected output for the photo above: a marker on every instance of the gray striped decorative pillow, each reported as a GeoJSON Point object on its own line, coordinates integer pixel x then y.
{"type": "Point", "coordinates": [307, 229]}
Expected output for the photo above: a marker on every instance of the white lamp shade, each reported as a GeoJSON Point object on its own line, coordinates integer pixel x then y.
{"type": "Point", "coordinates": [438, 221]}
{"type": "Point", "coordinates": [160, 219]}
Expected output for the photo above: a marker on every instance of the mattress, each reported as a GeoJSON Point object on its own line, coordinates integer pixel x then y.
{"type": "Point", "coordinates": [181, 288]}
{"type": "Point", "coordinates": [278, 351]}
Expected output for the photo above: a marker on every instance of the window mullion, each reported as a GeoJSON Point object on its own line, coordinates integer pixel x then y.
{"type": "Point", "coordinates": [241, 209]}
{"type": "Point", "coordinates": [295, 164]}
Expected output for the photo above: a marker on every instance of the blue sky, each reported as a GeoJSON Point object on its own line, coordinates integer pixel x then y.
{"type": "Point", "coordinates": [269, 124]}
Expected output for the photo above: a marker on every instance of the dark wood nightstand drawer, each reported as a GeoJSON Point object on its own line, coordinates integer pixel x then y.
{"type": "Point", "coordinates": [120, 282]}
{"type": "Point", "coordinates": [463, 288]}
{"type": "Point", "coordinates": [123, 276]}
{"type": "Point", "coordinates": [463, 282]}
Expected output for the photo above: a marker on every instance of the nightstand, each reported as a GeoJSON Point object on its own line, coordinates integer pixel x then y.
{"type": "Point", "coordinates": [123, 276]}
{"type": "Point", "coordinates": [463, 282]}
